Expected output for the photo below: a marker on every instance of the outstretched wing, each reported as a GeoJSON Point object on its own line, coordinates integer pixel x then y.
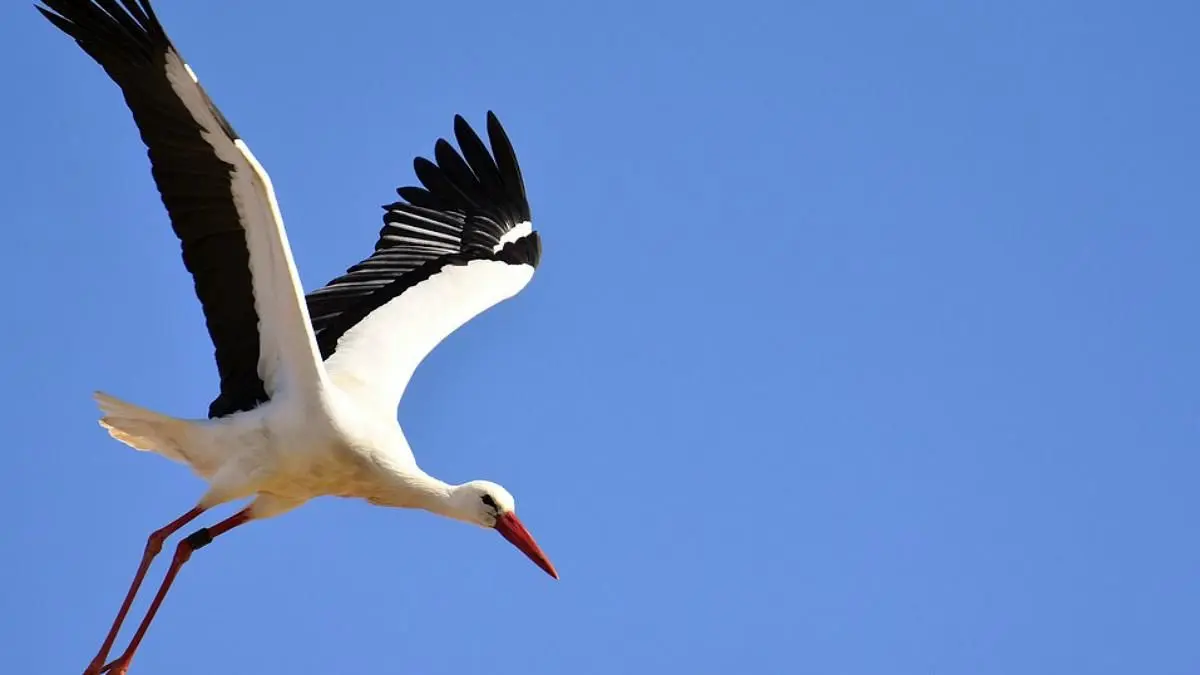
{"type": "Point", "coordinates": [447, 252]}
{"type": "Point", "coordinates": [219, 199]}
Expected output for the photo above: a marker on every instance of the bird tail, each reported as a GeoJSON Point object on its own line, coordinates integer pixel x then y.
{"type": "Point", "coordinates": [143, 429]}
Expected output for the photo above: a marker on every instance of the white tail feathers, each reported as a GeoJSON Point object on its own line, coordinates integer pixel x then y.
{"type": "Point", "coordinates": [142, 429]}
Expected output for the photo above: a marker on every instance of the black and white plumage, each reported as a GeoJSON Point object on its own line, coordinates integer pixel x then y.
{"type": "Point", "coordinates": [448, 251]}
{"type": "Point", "coordinates": [309, 384]}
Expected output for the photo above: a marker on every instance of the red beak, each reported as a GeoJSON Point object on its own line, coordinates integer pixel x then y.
{"type": "Point", "coordinates": [512, 530]}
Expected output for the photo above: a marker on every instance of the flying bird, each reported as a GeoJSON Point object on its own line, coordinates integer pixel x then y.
{"type": "Point", "coordinates": [309, 384]}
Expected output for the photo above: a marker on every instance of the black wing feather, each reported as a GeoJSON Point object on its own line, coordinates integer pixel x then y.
{"type": "Point", "coordinates": [477, 156]}
{"type": "Point", "coordinates": [510, 171]}
{"type": "Point", "coordinates": [195, 185]}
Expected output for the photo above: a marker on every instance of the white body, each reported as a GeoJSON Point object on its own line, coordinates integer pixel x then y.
{"type": "Point", "coordinates": [284, 453]}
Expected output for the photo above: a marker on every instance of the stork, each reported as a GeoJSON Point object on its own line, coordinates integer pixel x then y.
{"type": "Point", "coordinates": [309, 384]}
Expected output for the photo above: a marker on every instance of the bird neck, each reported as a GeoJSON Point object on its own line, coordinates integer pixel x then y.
{"type": "Point", "coordinates": [413, 488]}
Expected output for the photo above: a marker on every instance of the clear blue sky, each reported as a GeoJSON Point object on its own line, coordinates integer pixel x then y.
{"type": "Point", "coordinates": [865, 341]}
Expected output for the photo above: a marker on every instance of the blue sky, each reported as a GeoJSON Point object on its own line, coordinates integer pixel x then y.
{"type": "Point", "coordinates": [864, 341]}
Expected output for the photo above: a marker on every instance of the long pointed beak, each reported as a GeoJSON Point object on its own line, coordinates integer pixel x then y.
{"type": "Point", "coordinates": [512, 530]}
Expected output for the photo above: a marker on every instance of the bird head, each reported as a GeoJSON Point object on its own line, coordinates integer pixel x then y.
{"type": "Point", "coordinates": [489, 505]}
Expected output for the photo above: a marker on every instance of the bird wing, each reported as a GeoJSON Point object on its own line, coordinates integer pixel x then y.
{"type": "Point", "coordinates": [447, 252]}
{"type": "Point", "coordinates": [219, 199]}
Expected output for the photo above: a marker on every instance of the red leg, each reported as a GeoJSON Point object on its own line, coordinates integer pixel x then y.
{"type": "Point", "coordinates": [195, 540]}
{"type": "Point", "coordinates": [153, 547]}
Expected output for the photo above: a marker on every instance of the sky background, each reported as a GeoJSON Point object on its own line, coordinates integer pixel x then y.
{"type": "Point", "coordinates": [864, 341]}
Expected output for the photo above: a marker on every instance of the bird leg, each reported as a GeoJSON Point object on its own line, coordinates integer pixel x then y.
{"type": "Point", "coordinates": [196, 540]}
{"type": "Point", "coordinates": [154, 545]}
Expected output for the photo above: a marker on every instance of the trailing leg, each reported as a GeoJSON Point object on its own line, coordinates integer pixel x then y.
{"type": "Point", "coordinates": [153, 546]}
{"type": "Point", "coordinates": [196, 540]}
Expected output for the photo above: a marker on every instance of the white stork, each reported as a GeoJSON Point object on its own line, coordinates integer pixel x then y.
{"type": "Point", "coordinates": [309, 385]}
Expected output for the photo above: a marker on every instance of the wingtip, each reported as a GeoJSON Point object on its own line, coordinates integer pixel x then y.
{"type": "Point", "coordinates": [496, 130]}
{"type": "Point", "coordinates": [52, 16]}
{"type": "Point", "coordinates": [422, 164]}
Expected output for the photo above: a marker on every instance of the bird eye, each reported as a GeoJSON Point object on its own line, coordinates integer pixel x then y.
{"type": "Point", "coordinates": [487, 499]}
